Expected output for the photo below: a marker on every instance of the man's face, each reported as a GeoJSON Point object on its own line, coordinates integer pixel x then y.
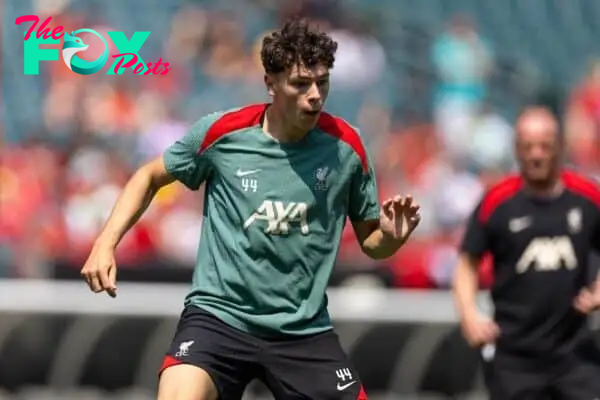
{"type": "Point", "coordinates": [538, 148]}
{"type": "Point", "coordinates": [301, 92]}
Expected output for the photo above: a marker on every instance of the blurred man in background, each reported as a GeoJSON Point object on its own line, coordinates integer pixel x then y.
{"type": "Point", "coordinates": [540, 227]}
{"type": "Point", "coordinates": [281, 179]}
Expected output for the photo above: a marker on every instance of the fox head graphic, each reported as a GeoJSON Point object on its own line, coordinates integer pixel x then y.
{"type": "Point", "coordinates": [73, 45]}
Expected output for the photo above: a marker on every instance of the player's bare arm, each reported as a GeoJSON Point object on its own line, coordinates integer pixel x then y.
{"type": "Point", "coordinates": [100, 269]}
{"type": "Point", "coordinates": [477, 329]}
{"type": "Point", "coordinates": [381, 238]}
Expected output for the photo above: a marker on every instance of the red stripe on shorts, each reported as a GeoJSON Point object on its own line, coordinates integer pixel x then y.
{"type": "Point", "coordinates": [362, 395]}
{"type": "Point", "coordinates": [168, 361]}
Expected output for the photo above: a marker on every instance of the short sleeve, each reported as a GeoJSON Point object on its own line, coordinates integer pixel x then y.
{"type": "Point", "coordinates": [475, 240]}
{"type": "Point", "coordinates": [364, 200]}
{"type": "Point", "coordinates": [184, 160]}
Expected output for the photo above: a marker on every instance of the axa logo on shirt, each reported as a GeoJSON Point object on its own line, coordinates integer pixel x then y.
{"type": "Point", "coordinates": [279, 216]}
{"type": "Point", "coordinates": [72, 44]}
{"type": "Point", "coordinates": [548, 254]}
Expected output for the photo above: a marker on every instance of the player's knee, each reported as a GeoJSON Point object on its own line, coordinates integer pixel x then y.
{"type": "Point", "coordinates": [186, 382]}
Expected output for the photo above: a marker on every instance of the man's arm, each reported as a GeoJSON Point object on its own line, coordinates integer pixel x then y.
{"type": "Point", "coordinates": [465, 286]}
{"type": "Point", "coordinates": [466, 279]}
{"type": "Point", "coordinates": [477, 329]}
{"type": "Point", "coordinates": [376, 240]}
{"type": "Point", "coordinates": [133, 201]}
{"type": "Point", "coordinates": [588, 298]}
{"type": "Point", "coordinates": [371, 239]}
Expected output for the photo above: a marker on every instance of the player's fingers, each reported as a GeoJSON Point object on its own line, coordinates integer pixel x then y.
{"type": "Point", "coordinates": [582, 306]}
{"type": "Point", "coordinates": [387, 208]}
{"type": "Point", "coordinates": [386, 203]}
{"type": "Point", "coordinates": [414, 210]}
{"type": "Point", "coordinates": [473, 334]}
{"type": "Point", "coordinates": [398, 202]}
{"type": "Point", "coordinates": [405, 201]}
{"type": "Point", "coordinates": [399, 206]}
{"type": "Point", "coordinates": [112, 278]}
{"type": "Point", "coordinates": [584, 295]}
{"type": "Point", "coordinates": [104, 279]}
{"type": "Point", "coordinates": [492, 332]}
{"type": "Point", "coordinates": [496, 328]}
{"type": "Point", "coordinates": [583, 302]}
{"type": "Point", "coordinates": [88, 278]}
{"type": "Point", "coordinates": [587, 302]}
{"type": "Point", "coordinates": [95, 283]}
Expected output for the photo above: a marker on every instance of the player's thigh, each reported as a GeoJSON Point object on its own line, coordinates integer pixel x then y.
{"type": "Point", "coordinates": [315, 367]}
{"type": "Point", "coordinates": [186, 382]}
{"type": "Point", "coordinates": [208, 356]}
{"type": "Point", "coordinates": [506, 383]}
{"type": "Point", "coordinates": [580, 382]}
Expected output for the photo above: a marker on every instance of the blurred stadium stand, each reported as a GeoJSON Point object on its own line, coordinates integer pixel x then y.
{"type": "Point", "coordinates": [434, 86]}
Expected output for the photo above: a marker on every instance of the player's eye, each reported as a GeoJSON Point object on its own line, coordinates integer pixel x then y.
{"type": "Point", "coordinates": [323, 82]}
{"type": "Point", "coordinates": [300, 84]}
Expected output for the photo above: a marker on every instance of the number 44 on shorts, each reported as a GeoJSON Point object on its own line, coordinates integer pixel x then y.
{"type": "Point", "coordinates": [345, 379]}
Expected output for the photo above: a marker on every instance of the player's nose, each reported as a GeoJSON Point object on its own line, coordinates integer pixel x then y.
{"type": "Point", "coordinates": [314, 94]}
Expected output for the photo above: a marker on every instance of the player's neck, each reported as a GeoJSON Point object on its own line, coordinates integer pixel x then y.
{"type": "Point", "coordinates": [278, 127]}
{"type": "Point", "coordinates": [550, 190]}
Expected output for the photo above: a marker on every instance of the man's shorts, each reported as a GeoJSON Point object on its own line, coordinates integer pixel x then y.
{"type": "Point", "coordinates": [573, 379]}
{"type": "Point", "coordinates": [309, 367]}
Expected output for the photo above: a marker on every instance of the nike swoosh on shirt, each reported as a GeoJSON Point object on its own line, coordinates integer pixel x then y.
{"type": "Point", "coordinates": [341, 387]}
{"type": "Point", "coordinates": [241, 173]}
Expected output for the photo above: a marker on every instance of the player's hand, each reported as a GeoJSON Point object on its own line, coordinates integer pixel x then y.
{"type": "Point", "coordinates": [399, 217]}
{"type": "Point", "coordinates": [588, 299]}
{"type": "Point", "coordinates": [479, 330]}
{"type": "Point", "coordinates": [100, 270]}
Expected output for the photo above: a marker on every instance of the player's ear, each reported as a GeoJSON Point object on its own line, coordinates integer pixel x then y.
{"type": "Point", "coordinates": [270, 84]}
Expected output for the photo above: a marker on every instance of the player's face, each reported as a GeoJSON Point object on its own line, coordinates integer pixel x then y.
{"type": "Point", "coordinates": [301, 93]}
{"type": "Point", "coordinates": [538, 149]}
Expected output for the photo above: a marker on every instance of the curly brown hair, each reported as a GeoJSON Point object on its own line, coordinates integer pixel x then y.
{"type": "Point", "coordinates": [297, 43]}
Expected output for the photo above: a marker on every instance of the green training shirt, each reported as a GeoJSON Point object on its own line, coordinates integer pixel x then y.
{"type": "Point", "coordinates": [273, 217]}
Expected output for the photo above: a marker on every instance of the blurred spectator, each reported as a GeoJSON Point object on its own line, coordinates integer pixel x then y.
{"type": "Point", "coordinates": [463, 62]}
{"type": "Point", "coordinates": [583, 120]}
{"type": "Point", "coordinates": [490, 141]}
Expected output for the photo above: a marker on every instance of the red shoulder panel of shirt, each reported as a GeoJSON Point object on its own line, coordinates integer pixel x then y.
{"type": "Point", "coordinates": [250, 116]}
{"type": "Point", "coordinates": [342, 130]}
{"type": "Point", "coordinates": [498, 194]}
{"type": "Point", "coordinates": [582, 186]}
{"type": "Point", "coordinates": [232, 121]}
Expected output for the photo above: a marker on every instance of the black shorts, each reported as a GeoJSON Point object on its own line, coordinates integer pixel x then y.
{"type": "Point", "coordinates": [576, 379]}
{"type": "Point", "coordinates": [311, 367]}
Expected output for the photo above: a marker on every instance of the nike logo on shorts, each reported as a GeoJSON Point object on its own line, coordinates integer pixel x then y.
{"type": "Point", "coordinates": [341, 387]}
